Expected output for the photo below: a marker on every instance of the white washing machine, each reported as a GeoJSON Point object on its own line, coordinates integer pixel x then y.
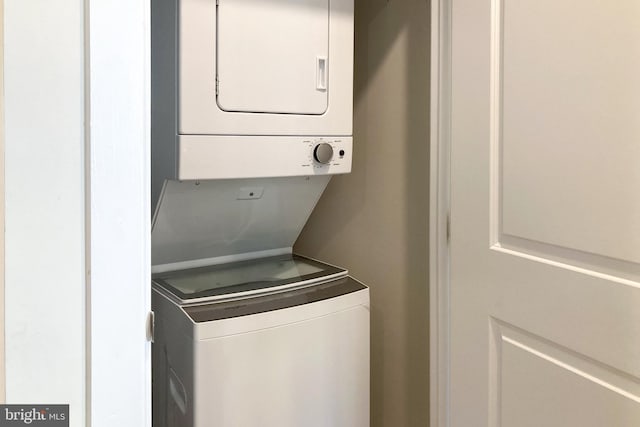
{"type": "Point", "coordinates": [276, 342]}
{"type": "Point", "coordinates": [248, 334]}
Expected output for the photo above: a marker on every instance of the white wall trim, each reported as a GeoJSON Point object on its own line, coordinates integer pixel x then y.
{"type": "Point", "coordinates": [44, 204]}
{"type": "Point", "coordinates": [118, 255]}
{"type": "Point", "coordinates": [439, 202]}
{"type": "Point", "coordinates": [87, 217]}
{"type": "Point", "coordinates": [2, 204]}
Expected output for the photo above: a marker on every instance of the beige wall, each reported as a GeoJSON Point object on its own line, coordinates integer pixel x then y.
{"type": "Point", "coordinates": [375, 220]}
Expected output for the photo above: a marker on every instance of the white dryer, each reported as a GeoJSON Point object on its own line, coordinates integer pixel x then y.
{"type": "Point", "coordinates": [250, 88]}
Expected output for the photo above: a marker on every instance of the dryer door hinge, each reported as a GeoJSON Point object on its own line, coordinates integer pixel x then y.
{"type": "Point", "coordinates": [151, 326]}
{"type": "Point", "coordinates": [217, 86]}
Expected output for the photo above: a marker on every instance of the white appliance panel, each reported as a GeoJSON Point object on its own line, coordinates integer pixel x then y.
{"type": "Point", "coordinates": [276, 60]}
{"type": "Point", "coordinates": [311, 372]}
{"type": "Point", "coordinates": [298, 365]}
{"type": "Point", "coordinates": [222, 157]}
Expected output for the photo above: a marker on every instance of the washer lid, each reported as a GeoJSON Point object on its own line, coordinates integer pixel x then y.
{"type": "Point", "coordinates": [200, 313]}
{"type": "Point", "coordinates": [218, 221]}
{"type": "Point", "coordinates": [245, 278]}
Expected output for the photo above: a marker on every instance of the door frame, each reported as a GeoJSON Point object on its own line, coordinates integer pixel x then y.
{"type": "Point", "coordinates": [117, 219]}
{"type": "Point", "coordinates": [439, 224]}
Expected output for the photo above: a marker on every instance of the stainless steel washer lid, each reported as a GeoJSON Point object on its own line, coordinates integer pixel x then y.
{"type": "Point", "coordinates": [244, 278]}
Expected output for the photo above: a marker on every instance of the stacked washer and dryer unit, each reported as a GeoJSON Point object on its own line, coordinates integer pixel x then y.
{"type": "Point", "coordinates": [251, 116]}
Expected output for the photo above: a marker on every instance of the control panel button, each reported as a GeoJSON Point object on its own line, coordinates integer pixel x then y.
{"type": "Point", "coordinates": [323, 153]}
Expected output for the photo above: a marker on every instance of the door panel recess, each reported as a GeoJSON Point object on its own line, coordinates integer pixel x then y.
{"type": "Point", "coordinates": [273, 57]}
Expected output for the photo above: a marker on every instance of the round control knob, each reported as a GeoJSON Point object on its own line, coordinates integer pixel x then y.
{"type": "Point", "coordinates": [323, 153]}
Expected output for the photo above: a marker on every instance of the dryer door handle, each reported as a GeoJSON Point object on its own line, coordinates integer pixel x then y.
{"type": "Point", "coordinates": [321, 73]}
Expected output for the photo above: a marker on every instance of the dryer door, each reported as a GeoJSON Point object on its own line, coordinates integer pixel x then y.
{"type": "Point", "coordinates": [272, 56]}
{"type": "Point", "coordinates": [257, 67]}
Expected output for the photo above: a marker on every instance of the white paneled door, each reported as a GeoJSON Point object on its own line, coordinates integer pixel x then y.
{"type": "Point", "coordinates": [545, 213]}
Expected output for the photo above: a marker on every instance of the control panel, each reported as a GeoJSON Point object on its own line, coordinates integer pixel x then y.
{"type": "Point", "coordinates": [327, 152]}
{"type": "Point", "coordinates": [217, 157]}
